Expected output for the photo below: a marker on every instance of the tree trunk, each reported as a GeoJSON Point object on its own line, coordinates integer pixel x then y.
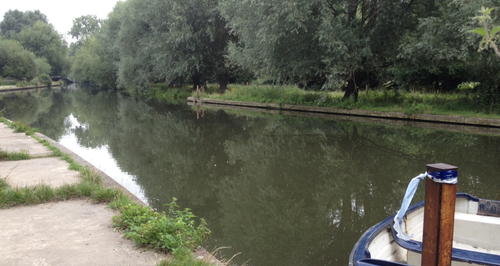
{"type": "Point", "coordinates": [352, 89]}
{"type": "Point", "coordinates": [223, 81]}
{"type": "Point", "coordinates": [196, 78]}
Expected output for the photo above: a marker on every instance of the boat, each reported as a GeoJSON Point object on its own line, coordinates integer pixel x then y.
{"type": "Point", "coordinates": [397, 240]}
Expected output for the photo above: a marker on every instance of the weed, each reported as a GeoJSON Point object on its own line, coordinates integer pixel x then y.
{"type": "Point", "coordinates": [171, 95]}
{"type": "Point", "coordinates": [66, 192]}
{"type": "Point", "coordinates": [105, 194]}
{"type": "Point", "coordinates": [163, 231]}
{"type": "Point", "coordinates": [14, 156]}
{"type": "Point", "coordinates": [21, 127]}
{"type": "Point", "coordinates": [120, 201]}
{"type": "Point", "coordinates": [26, 195]}
{"type": "Point", "coordinates": [3, 183]}
{"type": "Point", "coordinates": [183, 257]}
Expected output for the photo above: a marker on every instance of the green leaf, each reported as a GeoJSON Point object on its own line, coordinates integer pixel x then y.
{"type": "Point", "coordinates": [488, 11]}
{"type": "Point", "coordinates": [495, 30]}
{"type": "Point", "coordinates": [480, 31]}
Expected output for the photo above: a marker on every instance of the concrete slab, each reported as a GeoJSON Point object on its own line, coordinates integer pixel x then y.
{"type": "Point", "coordinates": [50, 171]}
{"type": "Point", "coordinates": [15, 142]}
{"type": "Point", "coordinates": [69, 233]}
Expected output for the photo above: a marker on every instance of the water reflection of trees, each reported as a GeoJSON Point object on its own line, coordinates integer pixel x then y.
{"type": "Point", "coordinates": [284, 190]}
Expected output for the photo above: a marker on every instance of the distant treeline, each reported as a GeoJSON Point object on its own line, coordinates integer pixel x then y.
{"type": "Point", "coordinates": [316, 44]}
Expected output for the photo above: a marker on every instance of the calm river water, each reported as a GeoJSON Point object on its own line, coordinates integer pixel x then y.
{"type": "Point", "coordinates": [283, 190]}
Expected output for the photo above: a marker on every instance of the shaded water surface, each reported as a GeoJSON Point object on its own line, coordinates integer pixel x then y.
{"type": "Point", "coordinates": [282, 190]}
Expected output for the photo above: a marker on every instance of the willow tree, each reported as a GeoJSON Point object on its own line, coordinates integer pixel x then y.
{"type": "Point", "coordinates": [276, 39]}
{"type": "Point", "coordinates": [348, 42]}
{"type": "Point", "coordinates": [169, 41]}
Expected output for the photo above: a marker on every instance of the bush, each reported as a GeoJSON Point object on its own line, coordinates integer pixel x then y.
{"type": "Point", "coordinates": [163, 231]}
{"type": "Point", "coordinates": [22, 84]}
{"type": "Point", "coordinates": [45, 80]}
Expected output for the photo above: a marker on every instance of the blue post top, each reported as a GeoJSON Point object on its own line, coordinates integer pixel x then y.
{"type": "Point", "coordinates": [443, 173]}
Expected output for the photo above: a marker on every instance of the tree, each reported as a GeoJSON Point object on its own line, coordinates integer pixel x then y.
{"type": "Point", "coordinates": [276, 39]}
{"type": "Point", "coordinates": [14, 21]}
{"type": "Point", "coordinates": [174, 41]}
{"type": "Point", "coordinates": [15, 61]}
{"type": "Point", "coordinates": [341, 41]}
{"type": "Point", "coordinates": [92, 63]}
{"type": "Point", "coordinates": [42, 66]}
{"type": "Point", "coordinates": [362, 35]}
{"type": "Point", "coordinates": [441, 54]}
{"type": "Point", "coordinates": [44, 41]}
{"type": "Point", "coordinates": [83, 28]}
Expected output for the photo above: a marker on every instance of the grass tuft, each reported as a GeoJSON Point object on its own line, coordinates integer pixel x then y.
{"type": "Point", "coordinates": [66, 192]}
{"type": "Point", "coordinates": [14, 156]}
{"type": "Point", "coordinates": [183, 257]}
{"type": "Point", "coordinates": [106, 195]}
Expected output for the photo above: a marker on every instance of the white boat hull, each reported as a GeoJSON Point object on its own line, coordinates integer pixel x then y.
{"type": "Point", "coordinates": [476, 237]}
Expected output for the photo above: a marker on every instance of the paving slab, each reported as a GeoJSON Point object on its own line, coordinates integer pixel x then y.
{"type": "Point", "coordinates": [15, 142]}
{"type": "Point", "coordinates": [71, 233]}
{"type": "Point", "coordinates": [51, 171]}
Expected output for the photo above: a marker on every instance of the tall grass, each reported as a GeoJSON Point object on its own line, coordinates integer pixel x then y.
{"type": "Point", "coordinates": [409, 102]}
{"type": "Point", "coordinates": [14, 156]}
{"type": "Point", "coordinates": [171, 95]}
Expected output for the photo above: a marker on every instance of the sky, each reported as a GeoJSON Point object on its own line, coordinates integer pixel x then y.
{"type": "Point", "coordinates": [61, 13]}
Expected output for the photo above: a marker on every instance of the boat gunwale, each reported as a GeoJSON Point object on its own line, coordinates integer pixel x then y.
{"type": "Point", "coordinates": [361, 254]}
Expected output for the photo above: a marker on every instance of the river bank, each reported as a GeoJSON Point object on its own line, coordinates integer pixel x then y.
{"type": "Point", "coordinates": [447, 119]}
{"type": "Point", "coordinates": [57, 203]}
{"type": "Point", "coordinates": [15, 88]}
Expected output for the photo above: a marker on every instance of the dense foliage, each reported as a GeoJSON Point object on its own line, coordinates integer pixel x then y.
{"type": "Point", "coordinates": [31, 46]}
{"type": "Point", "coordinates": [14, 21]}
{"type": "Point", "coordinates": [321, 44]}
{"type": "Point", "coordinates": [16, 61]}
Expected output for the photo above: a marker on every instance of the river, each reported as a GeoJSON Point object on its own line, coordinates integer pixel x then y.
{"type": "Point", "coordinates": [282, 190]}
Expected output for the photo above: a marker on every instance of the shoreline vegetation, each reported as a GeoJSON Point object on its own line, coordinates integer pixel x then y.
{"type": "Point", "coordinates": [24, 85]}
{"type": "Point", "coordinates": [461, 103]}
{"type": "Point", "coordinates": [174, 232]}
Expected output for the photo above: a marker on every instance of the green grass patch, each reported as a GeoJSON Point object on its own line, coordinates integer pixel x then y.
{"type": "Point", "coordinates": [162, 231]}
{"type": "Point", "coordinates": [14, 156]}
{"type": "Point", "coordinates": [168, 94]}
{"type": "Point", "coordinates": [409, 102]}
{"type": "Point", "coordinates": [183, 257]}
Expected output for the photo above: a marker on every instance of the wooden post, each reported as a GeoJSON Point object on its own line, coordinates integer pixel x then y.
{"type": "Point", "coordinates": [439, 215]}
{"type": "Point", "coordinates": [198, 92]}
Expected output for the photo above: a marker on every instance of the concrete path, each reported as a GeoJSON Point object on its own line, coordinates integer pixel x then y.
{"type": "Point", "coordinates": [50, 171]}
{"type": "Point", "coordinates": [66, 233]}
{"type": "Point", "coordinates": [57, 233]}
{"type": "Point", "coordinates": [17, 142]}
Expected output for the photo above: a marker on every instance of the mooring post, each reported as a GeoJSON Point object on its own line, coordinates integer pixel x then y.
{"type": "Point", "coordinates": [439, 214]}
